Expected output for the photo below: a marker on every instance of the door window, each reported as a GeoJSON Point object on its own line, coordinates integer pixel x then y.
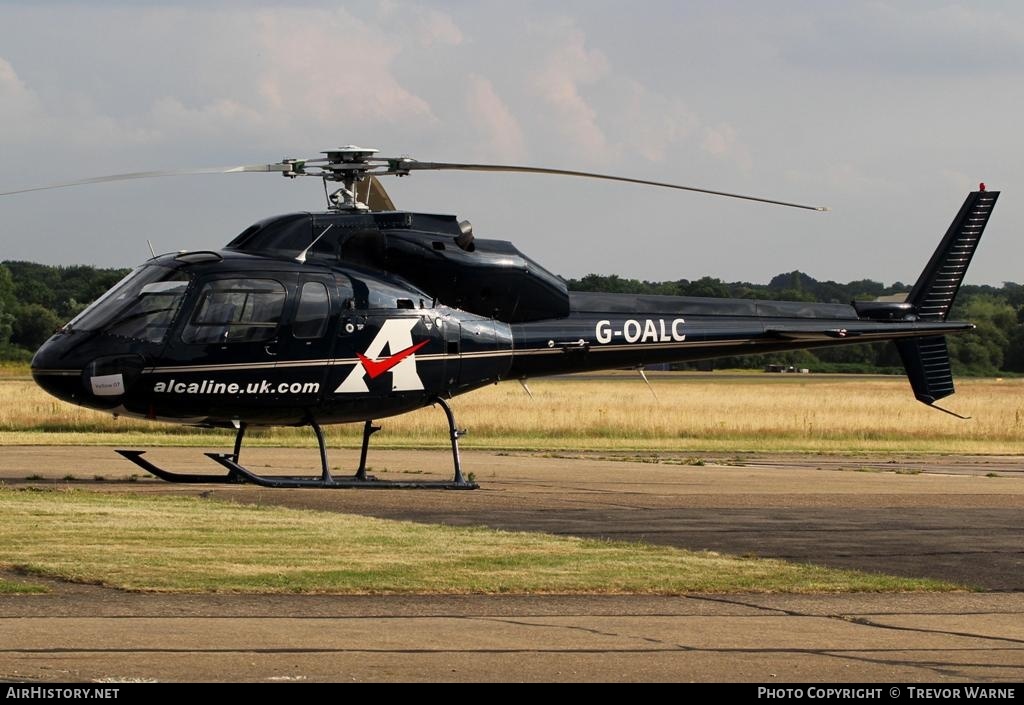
{"type": "Point", "coordinates": [236, 311]}
{"type": "Point", "coordinates": [313, 313]}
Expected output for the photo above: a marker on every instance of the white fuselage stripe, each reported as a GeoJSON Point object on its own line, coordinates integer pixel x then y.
{"type": "Point", "coordinates": [434, 357]}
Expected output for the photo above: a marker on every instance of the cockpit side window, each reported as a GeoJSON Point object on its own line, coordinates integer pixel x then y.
{"type": "Point", "coordinates": [236, 311]}
{"type": "Point", "coordinates": [142, 306]}
{"type": "Point", "coordinates": [150, 317]}
{"type": "Point", "coordinates": [314, 311]}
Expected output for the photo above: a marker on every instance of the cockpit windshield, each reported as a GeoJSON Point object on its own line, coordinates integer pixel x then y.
{"type": "Point", "coordinates": [141, 306]}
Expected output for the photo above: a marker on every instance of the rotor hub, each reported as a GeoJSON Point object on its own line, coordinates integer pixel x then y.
{"type": "Point", "coordinates": [348, 165]}
{"type": "Point", "coordinates": [350, 154]}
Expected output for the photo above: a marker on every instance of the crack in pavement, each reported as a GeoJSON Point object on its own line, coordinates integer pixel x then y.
{"type": "Point", "coordinates": [951, 670]}
{"type": "Point", "coordinates": [855, 619]}
{"type": "Point", "coordinates": [588, 630]}
{"type": "Point", "coordinates": [861, 655]}
{"type": "Point", "coordinates": [945, 632]}
{"type": "Point", "coordinates": [939, 668]}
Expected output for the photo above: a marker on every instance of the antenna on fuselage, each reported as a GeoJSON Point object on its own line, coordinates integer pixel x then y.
{"type": "Point", "coordinates": [526, 387]}
{"type": "Point", "coordinates": [647, 381]}
{"type": "Point", "coordinates": [301, 257]}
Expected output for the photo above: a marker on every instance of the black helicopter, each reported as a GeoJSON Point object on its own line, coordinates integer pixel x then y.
{"type": "Point", "coordinates": [363, 311]}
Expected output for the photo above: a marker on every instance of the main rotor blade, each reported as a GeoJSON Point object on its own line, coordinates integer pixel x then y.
{"type": "Point", "coordinates": [403, 165]}
{"type": "Point", "coordinates": [154, 175]}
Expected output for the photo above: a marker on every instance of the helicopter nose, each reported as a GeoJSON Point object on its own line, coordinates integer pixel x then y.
{"type": "Point", "coordinates": [55, 373]}
{"type": "Point", "coordinates": [81, 378]}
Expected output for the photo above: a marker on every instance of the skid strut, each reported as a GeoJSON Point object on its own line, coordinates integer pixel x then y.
{"type": "Point", "coordinates": [238, 473]}
{"type": "Point", "coordinates": [232, 478]}
{"type": "Point", "coordinates": [368, 430]}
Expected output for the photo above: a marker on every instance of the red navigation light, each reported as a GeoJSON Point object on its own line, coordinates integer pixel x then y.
{"type": "Point", "coordinates": [981, 186]}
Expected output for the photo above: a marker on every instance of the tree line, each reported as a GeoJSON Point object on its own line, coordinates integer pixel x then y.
{"type": "Point", "coordinates": [36, 299]}
{"type": "Point", "coordinates": [995, 347]}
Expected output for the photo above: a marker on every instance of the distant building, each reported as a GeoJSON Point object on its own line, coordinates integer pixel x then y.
{"type": "Point", "coordinates": [787, 368]}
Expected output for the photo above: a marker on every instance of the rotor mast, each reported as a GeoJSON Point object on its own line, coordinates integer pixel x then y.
{"type": "Point", "coordinates": [347, 165]}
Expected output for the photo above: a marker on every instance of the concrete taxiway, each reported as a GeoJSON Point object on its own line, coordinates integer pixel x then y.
{"type": "Point", "coordinates": [954, 518]}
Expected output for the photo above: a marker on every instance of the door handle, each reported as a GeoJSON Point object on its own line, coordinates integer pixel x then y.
{"type": "Point", "coordinates": [270, 348]}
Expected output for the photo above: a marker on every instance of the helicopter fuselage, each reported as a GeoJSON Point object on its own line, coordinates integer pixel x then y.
{"type": "Point", "coordinates": [340, 317]}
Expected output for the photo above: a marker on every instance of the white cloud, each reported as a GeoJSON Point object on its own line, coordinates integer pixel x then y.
{"type": "Point", "coordinates": [958, 180]}
{"type": "Point", "coordinates": [495, 121]}
{"type": "Point", "coordinates": [438, 28]}
{"type": "Point", "coordinates": [723, 141]}
{"type": "Point", "coordinates": [566, 69]}
{"type": "Point", "coordinates": [19, 106]}
{"type": "Point", "coordinates": [170, 118]}
{"type": "Point", "coordinates": [26, 117]}
{"type": "Point", "coordinates": [651, 124]}
{"type": "Point", "coordinates": [427, 26]}
{"type": "Point", "coordinates": [279, 75]}
{"type": "Point", "coordinates": [330, 66]}
{"type": "Point", "coordinates": [905, 38]}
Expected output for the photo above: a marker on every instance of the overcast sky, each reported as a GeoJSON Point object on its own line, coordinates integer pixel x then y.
{"type": "Point", "coordinates": [888, 112]}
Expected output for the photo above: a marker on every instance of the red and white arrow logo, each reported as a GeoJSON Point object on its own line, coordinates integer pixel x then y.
{"type": "Point", "coordinates": [375, 368]}
{"type": "Point", "coordinates": [396, 336]}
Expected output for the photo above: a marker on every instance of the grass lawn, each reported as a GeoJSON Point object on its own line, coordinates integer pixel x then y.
{"type": "Point", "coordinates": [177, 544]}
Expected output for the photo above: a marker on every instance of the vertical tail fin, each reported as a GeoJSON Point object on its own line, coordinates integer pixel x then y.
{"type": "Point", "coordinates": [926, 360]}
{"type": "Point", "coordinates": [935, 290]}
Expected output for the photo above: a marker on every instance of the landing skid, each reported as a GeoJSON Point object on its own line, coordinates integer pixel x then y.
{"type": "Point", "coordinates": [349, 482]}
{"type": "Point", "coordinates": [135, 456]}
{"type": "Point", "coordinates": [239, 474]}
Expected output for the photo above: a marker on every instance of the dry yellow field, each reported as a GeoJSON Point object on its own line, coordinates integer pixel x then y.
{"type": "Point", "coordinates": [718, 412]}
